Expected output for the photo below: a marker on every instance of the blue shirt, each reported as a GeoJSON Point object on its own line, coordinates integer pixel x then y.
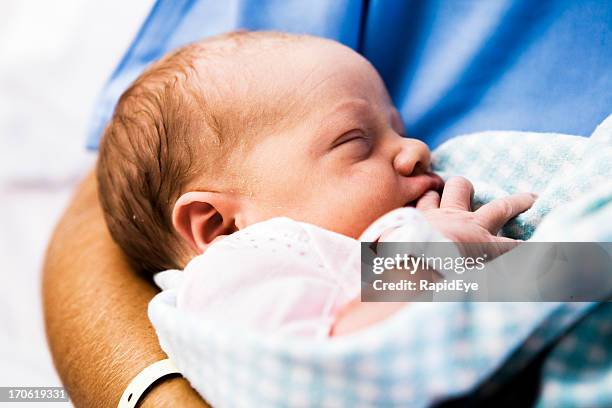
{"type": "Point", "coordinates": [451, 66]}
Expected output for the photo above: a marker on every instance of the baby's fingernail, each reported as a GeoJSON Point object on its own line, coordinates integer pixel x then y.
{"type": "Point", "coordinates": [534, 195]}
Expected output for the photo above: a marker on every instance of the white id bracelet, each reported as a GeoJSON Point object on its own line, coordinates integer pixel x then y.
{"type": "Point", "coordinates": [137, 387]}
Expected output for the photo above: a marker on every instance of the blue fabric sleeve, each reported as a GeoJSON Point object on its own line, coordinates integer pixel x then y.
{"type": "Point", "coordinates": [451, 67]}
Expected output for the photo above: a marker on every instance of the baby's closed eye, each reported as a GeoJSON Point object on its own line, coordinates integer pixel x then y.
{"type": "Point", "coordinates": [356, 140]}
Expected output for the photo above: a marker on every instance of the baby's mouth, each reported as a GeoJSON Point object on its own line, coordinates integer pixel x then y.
{"type": "Point", "coordinates": [431, 182]}
{"type": "Point", "coordinates": [438, 183]}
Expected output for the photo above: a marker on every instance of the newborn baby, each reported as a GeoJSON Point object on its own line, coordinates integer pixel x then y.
{"type": "Point", "coordinates": [229, 133]}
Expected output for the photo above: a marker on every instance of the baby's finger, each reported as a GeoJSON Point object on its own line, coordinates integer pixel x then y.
{"type": "Point", "coordinates": [457, 194]}
{"type": "Point", "coordinates": [505, 244]}
{"type": "Point", "coordinates": [498, 246]}
{"type": "Point", "coordinates": [495, 214]}
{"type": "Point", "coordinates": [429, 201]}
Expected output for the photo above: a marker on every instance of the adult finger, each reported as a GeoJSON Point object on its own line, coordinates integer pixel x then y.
{"type": "Point", "coordinates": [457, 194]}
{"type": "Point", "coordinates": [429, 201]}
{"type": "Point", "coordinates": [495, 214]}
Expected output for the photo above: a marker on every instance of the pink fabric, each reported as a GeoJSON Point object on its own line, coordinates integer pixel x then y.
{"type": "Point", "coordinates": [287, 276]}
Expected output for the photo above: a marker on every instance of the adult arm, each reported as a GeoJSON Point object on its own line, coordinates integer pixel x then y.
{"type": "Point", "coordinates": [95, 310]}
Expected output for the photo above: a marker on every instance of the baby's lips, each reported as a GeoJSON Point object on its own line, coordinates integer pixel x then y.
{"type": "Point", "coordinates": [433, 183]}
{"type": "Point", "coordinates": [438, 183]}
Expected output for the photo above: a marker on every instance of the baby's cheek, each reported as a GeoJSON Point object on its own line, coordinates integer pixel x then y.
{"type": "Point", "coordinates": [378, 189]}
{"type": "Point", "coordinates": [349, 203]}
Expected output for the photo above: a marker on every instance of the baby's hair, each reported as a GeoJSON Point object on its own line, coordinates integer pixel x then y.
{"type": "Point", "coordinates": [165, 134]}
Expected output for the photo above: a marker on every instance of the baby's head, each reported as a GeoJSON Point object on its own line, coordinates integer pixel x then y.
{"type": "Point", "coordinates": [244, 127]}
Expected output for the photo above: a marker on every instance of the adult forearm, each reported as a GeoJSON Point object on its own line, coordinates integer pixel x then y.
{"type": "Point", "coordinates": [96, 312]}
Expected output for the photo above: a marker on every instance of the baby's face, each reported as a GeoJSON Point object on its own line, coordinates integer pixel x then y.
{"type": "Point", "coordinates": [337, 157]}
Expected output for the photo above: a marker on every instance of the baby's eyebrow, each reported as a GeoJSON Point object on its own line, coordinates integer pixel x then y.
{"type": "Point", "coordinates": [353, 109]}
{"type": "Point", "coordinates": [351, 105]}
{"type": "Point", "coordinates": [342, 118]}
{"type": "Point", "coordinates": [338, 119]}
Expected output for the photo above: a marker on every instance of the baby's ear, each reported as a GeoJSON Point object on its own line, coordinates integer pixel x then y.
{"type": "Point", "coordinates": [200, 217]}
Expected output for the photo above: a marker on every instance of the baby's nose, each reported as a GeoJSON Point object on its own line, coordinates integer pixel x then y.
{"type": "Point", "coordinates": [413, 158]}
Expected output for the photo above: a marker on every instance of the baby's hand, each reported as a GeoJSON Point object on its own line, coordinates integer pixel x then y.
{"type": "Point", "coordinates": [453, 217]}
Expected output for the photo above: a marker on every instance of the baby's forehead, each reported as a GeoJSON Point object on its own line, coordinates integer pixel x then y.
{"type": "Point", "coordinates": [330, 67]}
{"type": "Point", "coordinates": [291, 77]}
{"type": "Point", "coordinates": [260, 89]}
